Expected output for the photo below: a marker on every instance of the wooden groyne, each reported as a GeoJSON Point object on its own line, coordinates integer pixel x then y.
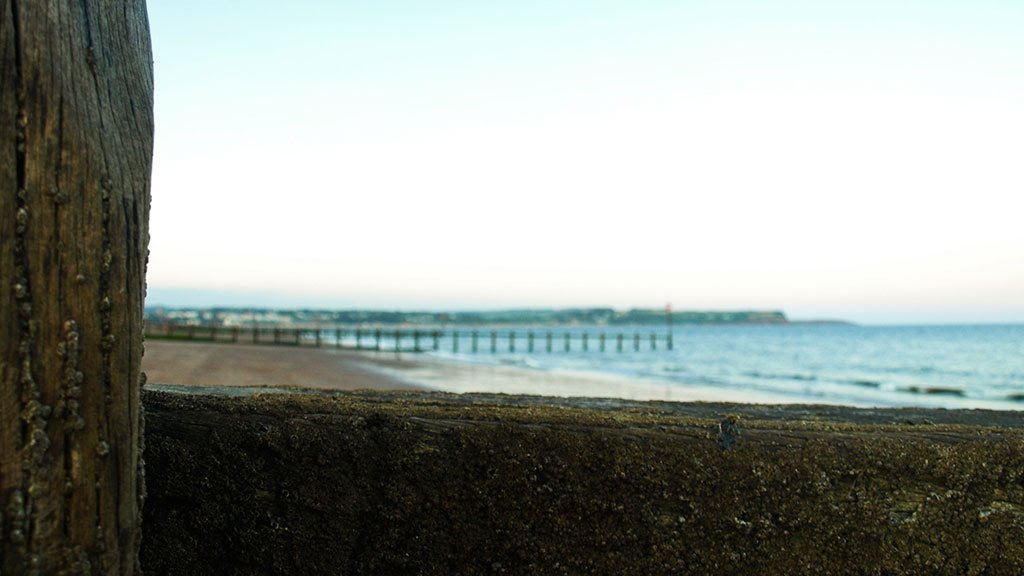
{"type": "Point", "coordinates": [438, 484]}
{"type": "Point", "coordinates": [494, 341]}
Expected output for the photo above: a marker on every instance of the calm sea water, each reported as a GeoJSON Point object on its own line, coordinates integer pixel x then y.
{"type": "Point", "coordinates": [946, 366]}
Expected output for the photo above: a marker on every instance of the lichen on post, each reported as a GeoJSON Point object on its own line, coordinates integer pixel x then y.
{"type": "Point", "coordinates": [76, 142]}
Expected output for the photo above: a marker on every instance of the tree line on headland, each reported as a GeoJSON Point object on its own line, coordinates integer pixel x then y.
{"type": "Point", "coordinates": [528, 316]}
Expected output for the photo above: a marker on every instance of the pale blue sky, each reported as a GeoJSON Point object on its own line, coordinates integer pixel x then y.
{"type": "Point", "coordinates": [839, 159]}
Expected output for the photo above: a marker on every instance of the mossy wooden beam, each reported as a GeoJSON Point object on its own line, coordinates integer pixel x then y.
{"type": "Point", "coordinates": [429, 483]}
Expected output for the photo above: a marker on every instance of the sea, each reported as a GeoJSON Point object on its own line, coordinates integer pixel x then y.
{"type": "Point", "coordinates": [962, 366]}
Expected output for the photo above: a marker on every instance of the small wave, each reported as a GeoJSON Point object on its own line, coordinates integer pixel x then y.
{"type": "Point", "coordinates": [865, 383]}
{"type": "Point", "coordinates": [930, 370]}
{"type": "Point", "coordinates": [769, 376]}
{"type": "Point", "coordinates": [934, 390]}
{"type": "Point", "coordinates": [1017, 397]}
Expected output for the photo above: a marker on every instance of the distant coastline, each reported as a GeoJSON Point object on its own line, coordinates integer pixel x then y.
{"type": "Point", "coordinates": [598, 316]}
{"type": "Point", "coordinates": [823, 322]}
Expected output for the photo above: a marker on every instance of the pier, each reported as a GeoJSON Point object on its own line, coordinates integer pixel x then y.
{"type": "Point", "coordinates": [417, 340]}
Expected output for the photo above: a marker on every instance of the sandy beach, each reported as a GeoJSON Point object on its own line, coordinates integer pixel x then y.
{"type": "Point", "coordinates": [247, 365]}
{"type": "Point", "coordinates": [225, 364]}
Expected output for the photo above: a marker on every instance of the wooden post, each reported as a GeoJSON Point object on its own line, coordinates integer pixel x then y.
{"type": "Point", "coordinates": [668, 336]}
{"type": "Point", "coordinates": [585, 348]}
{"type": "Point", "coordinates": [476, 335]}
{"type": "Point", "coordinates": [455, 342]}
{"type": "Point", "coordinates": [415, 340]}
{"type": "Point", "coordinates": [277, 335]}
{"type": "Point", "coordinates": [511, 341]}
{"type": "Point", "coordinates": [378, 335]}
{"type": "Point", "coordinates": [318, 337]}
{"type": "Point", "coordinates": [550, 337]}
{"type": "Point", "coordinates": [529, 342]}
{"type": "Point", "coordinates": [298, 336]}
{"type": "Point", "coordinates": [337, 338]}
{"type": "Point", "coordinates": [654, 341]}
{"type": "Point", "coordinates": [636, 342]}
{"type": "Point", "coordinates": [567, 344]}
{"type": "Point", "coordinates": [618, 341]}
{"type": "Point", "coordinates": [437, 340]}
{"type": "Point", "coordinates": [494, 341]}
{"type": "Point", "coordinates": [602, 342]}
{"type": "Point", "coordinates": [76, 145]}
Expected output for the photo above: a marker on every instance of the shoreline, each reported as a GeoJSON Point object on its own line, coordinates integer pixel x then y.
{"type": "Point", "coordinates": [230, 365]}
{"type": "Point", "coordinates": [462, 378]}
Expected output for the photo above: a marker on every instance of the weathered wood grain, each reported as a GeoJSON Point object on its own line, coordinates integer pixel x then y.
{"type": "Point", "coordinates": [76, 140]}
{"type": "Point", "coordinates": [430, 483]}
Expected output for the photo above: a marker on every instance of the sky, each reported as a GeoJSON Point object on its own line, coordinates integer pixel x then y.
{"type": "Point", "coordinates": [834, 159]}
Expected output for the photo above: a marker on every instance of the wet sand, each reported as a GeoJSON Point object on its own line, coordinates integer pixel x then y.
{"type": "Point", "coordinates": [462, 378]}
